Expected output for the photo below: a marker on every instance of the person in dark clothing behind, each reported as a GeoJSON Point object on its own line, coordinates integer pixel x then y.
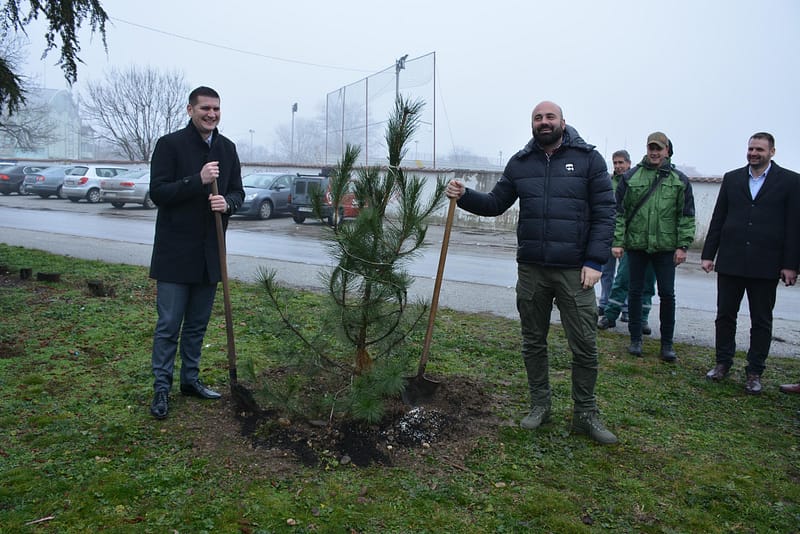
{"type": "Point", "coordinates": [755, 236]}
{"type": "Point", "coordinates": [622, 163]}
{"type": "Point", "coordinates": [566, 217]}
{"type": "Point", "coordinates": [185, 261]}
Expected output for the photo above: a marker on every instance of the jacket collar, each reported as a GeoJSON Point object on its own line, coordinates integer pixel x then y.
{"type": "Point", "coordinates": [571, 139]}
{"type": "Point", "coordinates": [192, 128]}
{"type": "Point", "coordinates": [665, 165]}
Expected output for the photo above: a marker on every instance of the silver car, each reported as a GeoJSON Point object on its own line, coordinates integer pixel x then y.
{"type": "Point", "coordinates": [47, 182]}
{"type": "Point", "coordinates": [132, 187]}
{"type": "Point", "coordinates": [83, 181]}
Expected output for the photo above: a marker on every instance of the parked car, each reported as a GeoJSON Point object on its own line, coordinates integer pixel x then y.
{"type": "Point", "coordinates": [12, 177]}
{"type": "Point", "coordinates": [83, 181]}
{"type": "Point", "coordinates": [303, 190]}
{"type": "Point", "coordinates": [48, 182]}
{"type": "Point", "coordinates": [132, 187]}
{"type": "Point", "coordinates": [265, 194]}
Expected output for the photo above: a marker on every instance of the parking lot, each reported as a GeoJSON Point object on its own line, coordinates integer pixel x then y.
{"type": "Point", "coordinates": [479, 277]}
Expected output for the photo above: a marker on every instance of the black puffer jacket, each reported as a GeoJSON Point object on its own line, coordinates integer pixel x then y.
{"type": "Point", "coordinates": [566, 204]}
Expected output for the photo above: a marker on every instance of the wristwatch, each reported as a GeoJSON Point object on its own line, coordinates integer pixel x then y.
{"type": "Point", "coordinates": [685, 249]}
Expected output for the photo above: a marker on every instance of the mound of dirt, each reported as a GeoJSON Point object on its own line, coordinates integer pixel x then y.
{"type": "Point", "coordinates": [460, 412]}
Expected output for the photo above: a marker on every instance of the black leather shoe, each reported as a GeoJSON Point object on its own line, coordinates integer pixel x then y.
{"type": "Point", "coordinates": [719, 372]}
{"type": "Point", "coordinates": [160, 405]}
{"type": "Point", "coordinates": [198, 389]}
{"type": "Point", "coordinates": [646, 330]}
{"type": "Point", "coordinates": [624, 317]}
{"type": "Point", "coordinates": [790, 388]}
{"type": "Point", "coordinates": [753, 385]}
{"type": "Point", "coordinates": [635, 348]}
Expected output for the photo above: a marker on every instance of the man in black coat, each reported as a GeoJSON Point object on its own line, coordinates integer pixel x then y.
{"type": "Point", "coordinates": [185, 261]}
{"type": "Point", "coordinates": [755, 236]}
{"type": "Point", "coordinates": [566, 219]}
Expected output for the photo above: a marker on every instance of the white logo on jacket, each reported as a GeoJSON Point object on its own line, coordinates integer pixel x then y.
{"type": "Point", "coordinates": [570, 167]}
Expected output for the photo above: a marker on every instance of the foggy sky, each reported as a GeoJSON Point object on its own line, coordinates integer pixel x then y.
{"type": "Point", "coordinates": [707, 73]}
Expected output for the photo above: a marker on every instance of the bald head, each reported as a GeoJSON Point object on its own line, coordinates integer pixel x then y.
{"type": "Point", "coordinates": [548, 107]}
{"type": "Point", "coordinates": [547, 124]}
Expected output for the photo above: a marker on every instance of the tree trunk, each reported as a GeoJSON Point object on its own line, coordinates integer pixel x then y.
{"type": "Point", "coordinates": [363, 360]}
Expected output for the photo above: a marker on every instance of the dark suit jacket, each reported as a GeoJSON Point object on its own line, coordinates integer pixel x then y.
{"type": "Point", "coordinates": [756, 238]}
{"type": "Point", "coordinates": [185, 246]}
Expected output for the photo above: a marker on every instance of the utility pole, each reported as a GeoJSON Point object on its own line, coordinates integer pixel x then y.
{"type": "Point", "coordinates": [399, 65]}
{"type": "Point", "coordinates": [294, 110]}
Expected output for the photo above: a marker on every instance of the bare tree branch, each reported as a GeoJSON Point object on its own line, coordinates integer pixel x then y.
{"type": "Point", "coordinates": [29, 128]}
{"type": "Point", "coordinates": [130, 109]}
{"type": "Point", "coordinates": [28, 125]}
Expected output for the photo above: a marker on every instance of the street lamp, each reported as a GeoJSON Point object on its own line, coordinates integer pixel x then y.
{"type": "Point", "coordinates": [294, 110]}
{"type": "Point", "coordinates": [399, 65]}
{"type": "Point", "coordinates": [252, 131]}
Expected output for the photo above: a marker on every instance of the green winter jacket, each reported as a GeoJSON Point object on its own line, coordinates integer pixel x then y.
{"type": "Point", "coordinates": [615, 179]}
{"type": "Point", "coordinates": [666, 220]}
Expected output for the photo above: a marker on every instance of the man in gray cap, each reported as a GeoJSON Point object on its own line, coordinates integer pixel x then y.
{"type": "Point", "coordinates": [655, 226]}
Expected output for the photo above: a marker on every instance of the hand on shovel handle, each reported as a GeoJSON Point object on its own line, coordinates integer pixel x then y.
{"type": "Point", "coordinates": [241, 395]}
{"type": "Point", "coordinates": [223, 267]}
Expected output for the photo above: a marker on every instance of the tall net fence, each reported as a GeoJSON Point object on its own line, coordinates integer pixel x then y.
{"type": "Point", "coordinates": [357, 113]}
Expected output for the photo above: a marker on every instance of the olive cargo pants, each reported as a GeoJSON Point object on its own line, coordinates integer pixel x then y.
{"type": "Point", "coordinates": [537, 288]}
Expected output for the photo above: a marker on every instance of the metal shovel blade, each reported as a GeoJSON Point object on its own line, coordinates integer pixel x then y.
{"type": "Point", "coordinates": [419, 390]}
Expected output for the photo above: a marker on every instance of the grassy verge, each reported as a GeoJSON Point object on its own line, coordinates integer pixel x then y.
{"type": "Point", "coordinates": [80, 452]}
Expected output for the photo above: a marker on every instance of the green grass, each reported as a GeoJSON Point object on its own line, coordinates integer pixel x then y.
{"type": "Point", "coordinates": [77, 444]}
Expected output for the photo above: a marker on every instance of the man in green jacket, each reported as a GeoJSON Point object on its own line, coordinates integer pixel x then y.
{"type": "Point", "coordinates": [614, 282]}
{"type": "Point", "coordinates": [655, 226]}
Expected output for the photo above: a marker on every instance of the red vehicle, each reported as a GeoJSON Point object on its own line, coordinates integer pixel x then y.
{"type": "Point", "coordinates": [302, 193]}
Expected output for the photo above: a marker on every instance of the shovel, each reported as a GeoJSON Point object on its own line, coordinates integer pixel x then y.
{"type": "Point", "coordinates": [418, 388]}
{"type": "Point", "coordinates": [241, 395]}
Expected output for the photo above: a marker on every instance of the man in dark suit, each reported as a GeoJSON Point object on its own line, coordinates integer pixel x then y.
{"type": "Point", "coordinates": [185, 260]}
{"type": "Point", "coordinates": [755, 236]}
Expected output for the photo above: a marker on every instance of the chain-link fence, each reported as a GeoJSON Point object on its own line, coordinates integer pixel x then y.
{"type": "Point", "coordinates": [357, 113]}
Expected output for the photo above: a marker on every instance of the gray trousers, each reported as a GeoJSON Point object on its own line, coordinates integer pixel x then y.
{"type": "Point", "coordinates": [537, 288]}
{"type": "Point", "coordinates": [183, 312]}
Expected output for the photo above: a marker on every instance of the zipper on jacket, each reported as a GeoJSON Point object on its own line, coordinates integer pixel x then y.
{"type": "Point", "coordinates": [545, 218]}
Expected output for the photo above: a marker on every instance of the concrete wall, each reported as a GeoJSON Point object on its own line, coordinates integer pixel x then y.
{"type": "Point", "coordinates": [705, 193]}
{"type": "Point", "coordinates": [705, 196]}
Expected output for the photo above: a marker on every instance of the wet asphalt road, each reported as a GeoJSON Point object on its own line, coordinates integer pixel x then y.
{"type": "Point", "coordinates": [479, 276]}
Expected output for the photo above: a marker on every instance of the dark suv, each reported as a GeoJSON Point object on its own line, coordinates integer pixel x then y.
{"type": "Point", "coordinates": [301, 204]}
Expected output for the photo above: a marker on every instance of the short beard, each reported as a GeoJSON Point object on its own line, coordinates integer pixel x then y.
{"type": "Point", "coordinates": [549, 139]}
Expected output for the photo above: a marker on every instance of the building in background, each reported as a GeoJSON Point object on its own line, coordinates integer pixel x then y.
{"type": "Point", "coordinates": [47, 127]}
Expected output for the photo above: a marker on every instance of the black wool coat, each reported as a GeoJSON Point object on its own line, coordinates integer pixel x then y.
{"type": "Point", "coordinates": [755, 238]}
{"type": "Point", "coordinates": [185, 247]}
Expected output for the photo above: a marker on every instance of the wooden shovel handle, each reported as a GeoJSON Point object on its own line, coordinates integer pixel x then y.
{"type": "Point", "coordinates": [426, 347]}
{"type": "Point", "coordinates": [226, 295]}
